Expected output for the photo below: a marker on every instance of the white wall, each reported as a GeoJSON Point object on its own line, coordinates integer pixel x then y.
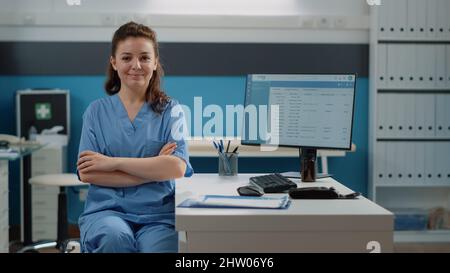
{"type": "Point", "coordinates": [343, 21]}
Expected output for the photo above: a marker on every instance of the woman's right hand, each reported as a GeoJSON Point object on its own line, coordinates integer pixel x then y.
{"type": "Point", "coordinates": [168, 148]}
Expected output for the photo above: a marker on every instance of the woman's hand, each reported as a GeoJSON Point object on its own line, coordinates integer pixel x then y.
{"type": "Point", "coordinates": [168, 148]}
{"type": "Point", "coordinates": [92, 161]}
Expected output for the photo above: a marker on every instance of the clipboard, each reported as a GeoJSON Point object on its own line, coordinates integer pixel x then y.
{"type": "Point", "coordinates": [231, 201]}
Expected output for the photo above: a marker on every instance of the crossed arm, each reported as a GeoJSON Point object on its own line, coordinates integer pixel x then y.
{"type": "Point", "coordinates": [98, 169]}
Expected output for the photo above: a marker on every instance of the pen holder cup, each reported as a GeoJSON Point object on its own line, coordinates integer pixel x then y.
{"type": "Point", "coordinates": [228, 164]}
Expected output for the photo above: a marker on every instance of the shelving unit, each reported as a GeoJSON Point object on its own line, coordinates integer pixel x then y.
{"type": "Point", "coordinates": [409, 120]}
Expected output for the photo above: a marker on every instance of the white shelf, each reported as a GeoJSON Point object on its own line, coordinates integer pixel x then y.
{"type": "Point", "coordinates": [422, 236]}
{"type": "Point", "coordinates": [413, 185]}
{"type": "Point", "coordinates": [412, 40]}
{"type": "Point", "coordinates": [413, 138]}
{"type": "Point", "coordinates": [415, 89]}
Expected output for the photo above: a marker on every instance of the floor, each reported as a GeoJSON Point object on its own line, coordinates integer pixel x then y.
{"type": "Point", "coordinates": [398, 248]}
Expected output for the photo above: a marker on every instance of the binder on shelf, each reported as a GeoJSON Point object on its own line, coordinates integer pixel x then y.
{"type": "Point", "coordinates": [402, 65]}
{"type": "Point", "coordinates": [392, 63]}
{"type": "Point", "coordinates": [389, 114]}
{"type": "Point", "coordinates": [443, 7]}
{"type": "Point", "coordinates": [437, 173]}
{"type": "Point", "coordinates": [447, 56]}
{"type": "Point", "coordinates": [446, 166]}
{"type": "Point", "coordinates": [441, 162]}
{"type": "Point", "coordinates": [410, 154]}
{"type": "Point", "coordinates": [440, 113]}
{"type": "Point", "coordinates": [412, 19]}
{"type": "Point", "coordinates": [421, 19]}
{"type": "Point", "coordinates": [430, 66]}
{"type": "Point", "coordinates": [419, 115]}
{"type": "Point", "coordinates": [381, 115]}
{"type": "Point", "coordinates": [391, 19]}
{"type": "Point", "coordinates": [447, 26]}
{"type": "Point", "coordinates": [429, 118]}
{"type": "Point", "coordinates": [393, 115]}
{"type": "Point", "coordinates": [409, 101]}
{"type": "Point", "coordinates": [431, 18]}
{"type": "Point", "coordinates": [380, 162]}
{"type": "Point", "coordinates": [440, 66]}
{"type": "Point", "coordinates": [447, 116]}
{"type": "Point", "coordinates": [419, 168]}
{"type": "Point", "coordinates": [400, 17]}
{"type": "Point", "coordinates": [409, 65]}
{"type": "Point", "coordinates": [422, 66]}
{"type": "Point", "coordinates": [382, 21]}
{"type": "Point", "coordinates": [400, 161]}
{"type": "Point", "coordinates": [397, 162]}
{"type": "Point", "coordinates": [382, 65]}
{"type": "Point", "coordinates": [397, 67]}
{"type": "Point", "coordinates": [399, 116]}
{"type": "Point", "coordinates": [391, 164]}
{"type": "Point", "coordinates": [429, 163]}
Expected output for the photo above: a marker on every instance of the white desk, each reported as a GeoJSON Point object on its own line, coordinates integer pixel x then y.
{"type": "Point", "coordinates": [306, 226]}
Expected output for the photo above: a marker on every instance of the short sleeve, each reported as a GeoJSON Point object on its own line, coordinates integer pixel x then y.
{"type": "Point", "coordinates": [88, 140]}
{"type": "Point", "coordinates": [177, 132]}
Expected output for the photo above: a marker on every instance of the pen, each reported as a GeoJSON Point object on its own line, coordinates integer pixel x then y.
{"type": "Point", "coordinates": [233, 152]}
{"type": "Point", "coordinates": [221, 146]}
{"type": "Point", "coordinates": [228, 145]}
{"type": "Point", "coordinates": [215, 145]}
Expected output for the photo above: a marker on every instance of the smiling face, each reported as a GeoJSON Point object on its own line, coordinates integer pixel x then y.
{"type": "Point", "coordinates": [134, 61]}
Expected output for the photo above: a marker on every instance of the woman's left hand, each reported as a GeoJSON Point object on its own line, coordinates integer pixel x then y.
{"type": "Point", "coordinates": [92, 161]}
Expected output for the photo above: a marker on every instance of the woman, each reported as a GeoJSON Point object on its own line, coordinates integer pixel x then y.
{"type": "Point", "coordinates": [131, 150]}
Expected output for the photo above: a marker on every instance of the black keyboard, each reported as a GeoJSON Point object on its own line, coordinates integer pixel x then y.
{"type": "Point", "coordinates": [272, 183]}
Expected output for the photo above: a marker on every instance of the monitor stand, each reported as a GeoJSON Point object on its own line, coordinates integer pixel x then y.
{"type": "Point", "coordinates": [308, 159]}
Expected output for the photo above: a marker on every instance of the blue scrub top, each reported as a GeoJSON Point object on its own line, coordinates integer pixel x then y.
{"type": "Point", "coordinates": [108, 130]}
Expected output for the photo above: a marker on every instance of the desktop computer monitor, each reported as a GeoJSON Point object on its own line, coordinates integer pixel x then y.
{"type": "Point", "coordinates": [308, 111]}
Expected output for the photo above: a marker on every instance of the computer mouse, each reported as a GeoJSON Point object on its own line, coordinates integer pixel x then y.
{"type": "Point", "coordinates": [249, 191]}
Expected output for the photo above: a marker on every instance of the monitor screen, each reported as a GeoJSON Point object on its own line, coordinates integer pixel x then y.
{"type": "Point", "coordinates": [303, 110]}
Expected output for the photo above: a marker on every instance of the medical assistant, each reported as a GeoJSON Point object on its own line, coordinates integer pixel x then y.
{"type": "Point", "coordinates": [108, 130]}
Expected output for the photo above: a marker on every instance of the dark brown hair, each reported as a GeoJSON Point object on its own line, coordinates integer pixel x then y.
{"type": "Point", "coordinates": [154, 95]}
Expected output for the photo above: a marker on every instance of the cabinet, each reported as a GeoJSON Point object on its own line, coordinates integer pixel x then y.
{"type": "Point", "coordinates": [4, 211]}
{"type": "Point", "coordinates": [409, 120]}
{"type": "Point", "coordinates": [44, 199]}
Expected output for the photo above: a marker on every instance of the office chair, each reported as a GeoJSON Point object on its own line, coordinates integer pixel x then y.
{"type": "Point", "coordinates": [63, 243]}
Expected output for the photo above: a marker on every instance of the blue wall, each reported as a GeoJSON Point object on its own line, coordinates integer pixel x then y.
{"type": "Point", "coordinates": [350, 170]}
